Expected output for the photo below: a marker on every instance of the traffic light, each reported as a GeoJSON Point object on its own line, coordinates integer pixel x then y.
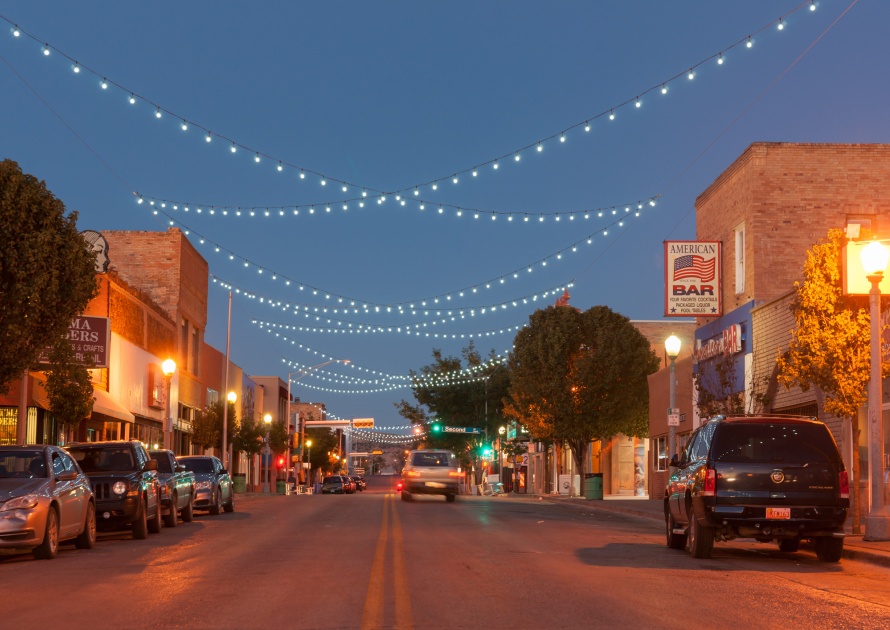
{"type": "Point", "coordinates": [280, 461]}
{"type": "Point", "coordinates": [437, 428]}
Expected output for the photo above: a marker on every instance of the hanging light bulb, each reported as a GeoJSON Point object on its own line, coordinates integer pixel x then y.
{"type": "Point", "coordinates": [132, 99]}
{"type": "Point", "coordinates": [256, 158]}
{"type": "Point", "coordinates": [664, 88]}
{"type": "Point", "coordinates": [781, 25]}
{"type": "Point", "coordinates": [516, 157]}
{"type": "Point", "coordinates": [280, 167]}
{"type": "Point", "coordinates": [720, 59]}
{"type": "Point", "coordinates": [435, 186]}
{"type": "Point", "coordinates": [46, 50]}
{"type": "Point", "coordinates": [324, 182]}
{"type": "Point", "coordinates": [15, 31]}
{"type": "Point", "coordinates": [234, 148]}
{"type": "Point", "coordinates": [103, 84]}
{"type": "Point", "coordinates": [691, 75]}
{"type": "Point", "coordinates": [638, 103]}
{"type": "Point", "coordinates": [344, 188]}
{"type": "Point", "coordinates": [495, 166]}
{"type": "Point", "coordinates": [750, 42]}
{"type": "Point", "coordinates": [475, 172]}
{"type": "Point", "coordinates": [302, 175]}
{"type": "Point", "coordinates": [562, 137]}
{"type": "Point", "coordinates": [587, 126]}
{"type": "Point", "coordinates": [416, 192]}
{"type": "Point", "coordinates": [76, 68]}
{"type": "Point", "coordinates": [158, 112]}
{"type": "Point", "coordinates": [208, 137]}
{"type": "Point", "coordinates": [540, 147]}
{"type": "Point", "coordinates": [813, 5]}
{"type": "Point", "coordinates": [454, 179]}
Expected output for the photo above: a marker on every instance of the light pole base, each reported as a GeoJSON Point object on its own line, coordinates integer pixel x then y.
{"type": "Point", "coordinates": [877, 527]}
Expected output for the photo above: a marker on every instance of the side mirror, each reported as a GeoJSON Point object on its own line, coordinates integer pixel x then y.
{"type": "Point", "coordinates": [224, 472]}
{"type": "Point", "coordinates": [150, 465]}
{"type": "Point", "coordinates": [675, 461]}
{"type": "Point", "coordinates": [67, 476]}
{"type": "Point", "coordinates": [180, 468]}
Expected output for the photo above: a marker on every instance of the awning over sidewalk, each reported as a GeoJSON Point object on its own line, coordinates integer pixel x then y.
{"type": "Point", "coordinates": [108, 406]}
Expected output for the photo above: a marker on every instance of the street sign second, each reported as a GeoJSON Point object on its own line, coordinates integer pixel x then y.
{"type": "Point", "coordinates": [473, 430]}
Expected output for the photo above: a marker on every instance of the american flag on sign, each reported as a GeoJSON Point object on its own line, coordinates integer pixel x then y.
{"type": "Point", "coordinates": [694, 267]}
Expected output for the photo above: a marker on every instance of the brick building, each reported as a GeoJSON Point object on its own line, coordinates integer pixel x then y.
{"type": "Point", "coordinates": [768, 208]}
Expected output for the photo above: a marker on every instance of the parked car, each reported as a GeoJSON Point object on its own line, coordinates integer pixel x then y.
{"type": "Point", "coordinates": [215, 490]}
{"type": "Point", "coordinates": [45, 499]}
{"type": "Point", "coordinates": [125, 484]}
{"type": "Point", "coordinates": [178, 487]}
{"type": "Point", "coordinates": [359, 482]}
{"type": "Point", "coordinates": [430, 472]}
{"type": "Point", "coordinates": [334, 484]}
{"type": "Point", "coordinates": [349, 484]}
{"type": "Point", "coordinates": [771, 478]}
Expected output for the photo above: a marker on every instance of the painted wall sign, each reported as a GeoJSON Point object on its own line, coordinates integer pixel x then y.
{"type": "Point", "coordinates": [90, 337]}
{"type": "Point", "coordinates": [692, 279]}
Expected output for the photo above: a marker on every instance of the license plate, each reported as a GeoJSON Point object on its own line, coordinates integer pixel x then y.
{"type": "Point", "coordinates": [778, 513]}
{"type": "Point", "coordinates": [436, 484]}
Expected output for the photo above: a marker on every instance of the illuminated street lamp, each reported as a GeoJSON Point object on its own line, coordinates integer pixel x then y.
{"type": "Point", "coordinates": [672, 348]}
{"type": "Point", "coordinates": [268, 420]}
{"type": "Point", "coordinates": [877, 524]}
{"type": "Point", "coordinates": [308, 457]}
{"type": "Point", "coordinates": [168, 367]}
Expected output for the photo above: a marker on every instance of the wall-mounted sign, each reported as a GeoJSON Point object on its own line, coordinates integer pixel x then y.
{"type": "Point", "coordinates": [728, 342]}
{"type": "Point", "coordinates": [90, 338]}
{"type": "Point", "coordinates": [692, 279]}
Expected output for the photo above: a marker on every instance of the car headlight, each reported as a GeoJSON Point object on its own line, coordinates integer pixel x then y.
{"type": "Point", "coordinates": [21, 503]}
{"type": "Point", "coordinates": [203, 485]}
{"type": "Point", "coordinates": [120, 487]}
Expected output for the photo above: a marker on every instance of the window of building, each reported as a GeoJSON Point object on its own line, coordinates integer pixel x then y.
{"type": "Point", "coordinates": [661, 458]}
{"type": "Point", "coordinates": [195, 351]}
{"type": "Point", "coordinates": [740, 259]}
{"type": "Point", "coordinates": [184, 345]}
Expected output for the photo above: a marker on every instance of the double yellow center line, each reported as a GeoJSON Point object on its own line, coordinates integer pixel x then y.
{"type": "Point", "coordinates": [373, 613]}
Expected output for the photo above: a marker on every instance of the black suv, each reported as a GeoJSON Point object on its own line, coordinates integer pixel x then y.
{"type": "Point", "coordinates": [771, 478]}
{"type": "Point", "coordinates": [125, 484]}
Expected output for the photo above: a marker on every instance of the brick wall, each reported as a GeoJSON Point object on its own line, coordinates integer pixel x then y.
{"type": "Point", "coordinates": [789, 195]}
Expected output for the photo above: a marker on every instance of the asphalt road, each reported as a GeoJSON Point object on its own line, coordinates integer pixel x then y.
{"type": "Point", "coordinates": [370, 560]}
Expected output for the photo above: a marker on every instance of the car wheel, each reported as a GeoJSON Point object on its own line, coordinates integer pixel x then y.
{"type": "Point", "coordinates": [87, 538]}
{"type": "Point", "coordinates": [170, 517]}
{"type": "Point", "coordinates": [216, 505]}
{"type": "Point", "coordinates": [406, 496]}
{"type": "Point", "coordinates": [230, 506]}
{"type": "Point", "coordinates": [789, 545]}
{"type": "Point", "coordinates": [829, 548]}
{"type": "Point", "coordinates": [49, 548]}
{"type": "Point", "coordinates": [140, 525]}
{"type": "Point", "coordinates": [450, 498]}
{"type": "Point", "coordinates": [700, 537]}
{"type": "Point", "coordinates": [154, 525]}
{"type": "Point", "coordinates": [188, 512]}
{"type": "Point", "coordinates": [674, 541]}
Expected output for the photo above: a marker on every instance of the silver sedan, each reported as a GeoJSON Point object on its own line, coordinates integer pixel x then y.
{"type": "Point", "coordinates": [45, 499]}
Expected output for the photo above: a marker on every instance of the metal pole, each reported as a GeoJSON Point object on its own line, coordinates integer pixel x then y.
{"type": "Point", "coordinates": [268, 459]}
{"type": "Point", "coordinates": [225, 392]}
{"type": "Point", "coordinates": [672, 430]}
{"type": "Point", "coordinates": [21, 433]}
{"type": "Point", "coordinates": [168, 420]}
{"type": "Point", "coordinates": [877, 523]}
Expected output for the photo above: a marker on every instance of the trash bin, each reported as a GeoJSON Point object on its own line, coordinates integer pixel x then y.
{"type": "Point", "coordinates": [593, 486]}
{"type": "Point", "coordinates": [280, 486]}
{"type": "Point", "coordinates": [240, 482]}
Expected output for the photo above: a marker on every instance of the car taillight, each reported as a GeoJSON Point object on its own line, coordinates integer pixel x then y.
{"type": "Point", "coordinates": [710, 487]}
{"type": "Point", "coordinates": [843, 484]}
{"type": "Point", "coordinates": [454, 474]}
{"type": "Point", "coordinates": [413, 473]}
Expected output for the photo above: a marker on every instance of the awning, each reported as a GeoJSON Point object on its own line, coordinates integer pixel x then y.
{"type": "Point", "coordinates": [108, 406]}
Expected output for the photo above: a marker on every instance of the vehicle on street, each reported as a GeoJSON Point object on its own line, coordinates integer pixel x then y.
{"type": "Point", "coordinates": [178, 487]}
{"type": "Point", "coordinates": [359, 482]}
{"type": "Point", "coordinates": [771, 478]}
{"type": "Point", "coordinates": [214, 488]}
{"type": "Point", "coordinates": [399, 485]}
{"type": "Point", "coordinates": [335, 484]}
{"type": "Point", "coordinates": [45, 499]}
{"type": "Point", "coordinates": [125, 484]}
{"type": "Point", "coordinates": [430, 472]}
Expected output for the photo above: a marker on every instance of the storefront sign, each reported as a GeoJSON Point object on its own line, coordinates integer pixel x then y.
{"type": "Point", "coordinates": [90, 338]}
{"type": "Point", "coordinates": [726, 343]}
{"type": "Point", "coordinates": [692, 279]}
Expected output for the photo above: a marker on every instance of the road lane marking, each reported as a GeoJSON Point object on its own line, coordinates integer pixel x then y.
{"type": "Point", "coordinates": [400, 577]}
{"type": "Point", "coordinates": [372, 615]}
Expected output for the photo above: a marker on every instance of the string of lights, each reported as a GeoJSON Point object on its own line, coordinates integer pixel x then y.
{"type": "Point", "coordinates": [439, 208]}
{"type": "Point", "coordinates": [272, 327]}
{"type": "Point", "coordinates": [347, 304]}
{"type": "Point", "coordinates": [515, 155]}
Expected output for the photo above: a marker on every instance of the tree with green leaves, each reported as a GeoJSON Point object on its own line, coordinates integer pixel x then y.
{"type": "Point", "coordinates": [581, 376]}
{"type": "Point", "coordinates": [68, 388]}
{"type": "Point", "coordinates": [47, 272]}
{"type": "Point", "coordinates": [718, 391]}
{"type": "Point", "coordinates": [830, 346]}
{"type": "Point", "coordinates": [465, 391]}
{"type": "Point", "coordinates": [207, 425]}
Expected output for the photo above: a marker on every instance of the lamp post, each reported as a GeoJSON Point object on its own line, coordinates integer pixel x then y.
{"type": "Point", "coordinates": [672, 348]}
{"type": "Point", "coordinates": [877, 524]}
{"type": "Point", "coordinates": [168, 367]}
{"type": "Point", "coordinates": [308, 457]}
{"type": "Point", "coordinates": [301, 373]}
{"type": "Point", "coordinates": [267, 419]}
{"type": "Point", "coordinates": [231, 397]}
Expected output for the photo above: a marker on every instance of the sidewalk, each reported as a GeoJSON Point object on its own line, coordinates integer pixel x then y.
{"type": "Point", "coordinates": [855, 548]}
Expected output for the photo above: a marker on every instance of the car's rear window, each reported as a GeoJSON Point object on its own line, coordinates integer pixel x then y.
{"type": "Point", "coordinates": [333, 481]}
{"type": "Point", "coordinates": [432, 459]}
{"type": "Point", "coordinates": [163, 461]}
{"type": "Point", "coordinates": [103, 459]}
{"type": "Point", "coordinates": [198, 465]}
{"type": "Point", "coordinates": [24, 464]}
{"type": "Point", "coordinates": [774, 442]}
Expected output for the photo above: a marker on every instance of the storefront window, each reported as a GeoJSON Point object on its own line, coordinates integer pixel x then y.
{"type": "Point", "coordinates": [661, 458]}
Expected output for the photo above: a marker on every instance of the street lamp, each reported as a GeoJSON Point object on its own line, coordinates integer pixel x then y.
{"type": "Point", "coordinates": [309, 457]}
{"type": "Point", "coordinates": [301, 373]}
{"type": "Point", "coordinates": [168, 367]}
{"type": "Point", "coordinates": [672, 348]}
{"type": "Point", "coordinates": [231, 397]}
{"type": "Point", "coordinates": [877, 524]}
{"type": "Point", "coordinates": [268, 420]}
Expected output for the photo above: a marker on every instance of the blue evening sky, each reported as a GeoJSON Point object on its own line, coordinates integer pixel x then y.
{"type": "Point", "coordinates": [386, 96]}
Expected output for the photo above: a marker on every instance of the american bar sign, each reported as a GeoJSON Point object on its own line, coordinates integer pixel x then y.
{"type": "Point", "coordinates": [692, 279]}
